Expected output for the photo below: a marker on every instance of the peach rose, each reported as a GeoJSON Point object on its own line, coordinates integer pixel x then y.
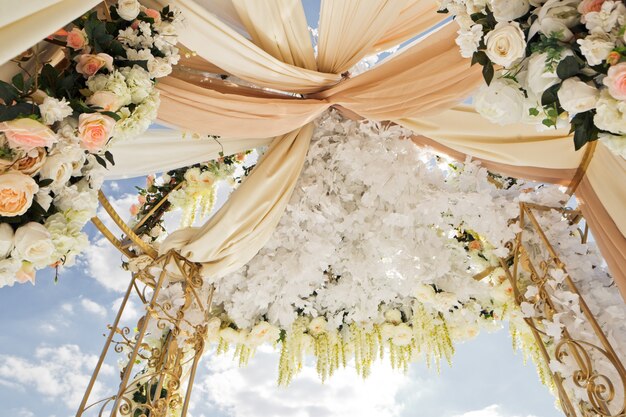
{"type": "Point", "coordinates": [29, 164]}
{"type": "Point", "coordinates": [77, 39]}
{"type": "Point", "coordinates": [94, 130]}
{"type": "Point", "coordinates": [616, 81]}
{"type": "Point", "coordinates": [26, 273]}
{"type": "Point", "coordinates": [105, 100]}
{"type": "Point", "coordinates": [27, 134]}
{"type": "Point", "coordinates": [613, 58]}
{"type": "Point", "coordinates": [88, 64]}
{"type": "Point", "coordinates": [16, 193]}
{"type": "Point", "coordinates": [588, 6]}
{"type": "Point", "coordinates": [153, 14]}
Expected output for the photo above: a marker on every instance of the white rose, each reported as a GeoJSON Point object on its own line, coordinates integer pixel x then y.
{"type": "Point", "coordinates": [53, 110]}
{"type": "Point", "coordinates": [502, 102]}
{"type": "Point", "coordinates": [128, 9]}
{"type": "Point", "coordinates": [469, 39]}
{"type": "Point", "coordinates": [445, 301]}
{"type": "Point", "coordinates": [539, 78]}
{"type": "Point", "coordinates": [507, 10]}
{"type": "Point", "coordinates": [576, 96]}
{"type": "Point", "coordinates": [59, 169]}
{"type": "Point", "coordinates": [263, 332]}
{"type": "Point", "coordinates": [8, 269]}
{"type": "Point", "coordinates": [6, 240]}
{"type": "Point", "coordinates": [556, 17]}
{"type": "Point", "coordinates": [505, 44]}
{"type": "Point", "coordinates": [611, 14]}
{"type": "Point", "coordinates": [159, 67]}
{"type": "Point", "coordinates": [387, 331]}
{"type": "Point", "coordinates": [43, 198]}
{"type": "Point", "coordinates": [403, 335]}
{"type": "Point", "coordinates": [424, 293]}
{"type": "Point", "coordinates": [317, 326]}
{"type": "Point", "coordinates": [33, 243]}
{"type": "Point", "coordinates": [610, 114]}
{"type": "Point", "coordinates": [596, 47]}
{"type": "Point", "coordinates": [393, 316]}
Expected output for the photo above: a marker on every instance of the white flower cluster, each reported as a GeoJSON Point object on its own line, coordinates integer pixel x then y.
{"type": "Point", "coordinates": [555, 32]}
{"type": "Point", "coordinates": [60, 238]}
{"type": "Point", "coordinates": [585, 267]}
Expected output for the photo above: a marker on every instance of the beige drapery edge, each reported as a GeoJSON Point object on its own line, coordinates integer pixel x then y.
{"type": "Point", "coordinates": [349, 28]}
{"type": "Point", "coordinates": [202, 110]}
{"type": "Point", "coordinates": [29, 29]}
{"type": "Point", "coordinates": [279, 27]}
{"type": "Point", "coordinates": [160, 150]}
{"type": "Point", "coordinates": [246, 221]}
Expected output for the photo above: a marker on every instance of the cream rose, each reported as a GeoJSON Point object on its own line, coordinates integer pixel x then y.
{"type": "Point", "coordinates": [505, 44]}
{"type": "Point", "coordinates": [263, 332]}
{"type": "Point", "coordinates": [6, 240]}
{"type": "Point", "coordinates": [33, 243]}
{"type": "Point", "coordinates": [501, 102]}
{"type": "Point", "coordinates": [16, 193]}
{"type": "Point", "coordinates": [616, 81]}
{"type": "Point", "coordinates": [576, 96]}
{"type": "Point", "coordinates": [588, 6]}
{"type": "Point", "coordinates": [556, 17]}
{"type": "Point", "coordinates": [128, 9]}
{"type": "Point", "coordinates": [58, 168]}
{"type": "Point", "coordinates": [104, 100]}
{"type": "Point", "coordinates": [88, 64]}
{"type": "Point", "coordinates": [27, 134]}
{"type": "Point", "coordinates": [610, 114]}
{"type": "Point", "coordinates": [94, 130]}
{"type": "Point", "coordinates": [28, 164]}
{"type": "Point", "coordinates": [77, 39]}
{"type": "Point", "coordinates": [507, 10]}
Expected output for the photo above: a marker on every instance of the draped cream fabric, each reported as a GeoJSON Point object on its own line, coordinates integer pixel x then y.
{"type": "Point", "coordinates": [349, 28]}
{"type": "Point", "coordinates": [279, 28]}
{"type": "Point", "coordinates": [217, 42]}
{"type": "Point", "coordinates": [160, 150]}
{"type": "Point", "coordinates": [246, 221]}
{"type": "Point", "coordinates": [25, 23]}
{"type": "Point", "coordinates": [417, 17]}
{"type": "Point", "coordinates": [464, 130]}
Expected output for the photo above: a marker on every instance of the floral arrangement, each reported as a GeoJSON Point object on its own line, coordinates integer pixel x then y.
{"type": "Point", "coordinates": [549, 63]}
{"type": "Point", "coordinates": [55, 127]}
{"type": "Point", "coordinates": [191, 190]}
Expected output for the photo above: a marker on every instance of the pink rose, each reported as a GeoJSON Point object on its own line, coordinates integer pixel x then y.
{"type": "Point", "coordinates": [153, 14]}
{"type": "Point", "coordinates": [16, 193]}
{"type": "Point", "coordinates": [76, 39]}
{"type": "Point", "coordinates": [616, 81]}
{"type": "Point", "coordinates": [94, 130]}
{"type": "Point", "coordinates": [588, 6]}
{"type": "Point", "coordinates": [27, 134]}
{"type": "Point", "coordinates": [134, 209]}
{"type": "Point", "coordinates": [89, 64]}
{"type": "Point", "coordinates": [105, 100]}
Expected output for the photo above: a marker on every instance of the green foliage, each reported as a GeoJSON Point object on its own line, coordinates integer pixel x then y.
{"type": "Point", "coordinates": [584, 129]}
{"type": "Point", "coordinates": [568, 67]}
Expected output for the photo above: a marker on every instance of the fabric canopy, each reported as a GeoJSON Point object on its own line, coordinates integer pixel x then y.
{"type": "Point", "coordinates": [25, 23]}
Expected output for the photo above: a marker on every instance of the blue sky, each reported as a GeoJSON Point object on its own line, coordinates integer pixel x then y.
{"type": "Point", "coordinates": [51, 335]}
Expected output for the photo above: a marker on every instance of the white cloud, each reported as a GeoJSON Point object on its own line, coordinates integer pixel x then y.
{"type": "Point", "coordinates": [57, 373]}
{"type": "Point", "coordinates": [68, 308]}
{"type": "Point", "coordinates": [92, 307]}
{"type": "Point", "coordinates": [104, 264]}
{"type": "Point", "coordinates": [131, 311]}
{"type": "Point", "coordinates": [493, 410]}
{"type": "Point", "coordinates": [252, 391]}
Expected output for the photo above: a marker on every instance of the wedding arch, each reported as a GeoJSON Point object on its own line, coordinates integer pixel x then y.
{"type": "Point", "coordinates": [347, 240]}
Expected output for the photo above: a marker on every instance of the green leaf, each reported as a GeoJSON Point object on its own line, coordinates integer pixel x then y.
{"type": "Point", "coordinates": [584, 129]}
{"type": "Point", "coordinates": [8, 93]}
{"type": "Point", "coordinates": [109, 156]}
{"type": "Point", "coordinates": [100, 160]}
{"type": "Point", "coordinates": [480, 57]}
{"type": "Point", "coordinates": [18, 81]}
{"type": "Point", "coordinates": [45, 182]}
{"type": "Point", "coordinates": [112, 115]}
{"type": "Point", "coordinates": [488, 73]}
{"type": "Point", "coordinates": [533, 111]}
{"type": "Point", "coordinates": [117, 49]}
{"type": "Point", "coordinates": [550, 96]}
{"type": "Point", "coordinates": [567, 68]}
{"type": "Point", "coordinates": [18, 110]}
{"type": "Point", "coordinates": [48, 79]}
{"type": "Point", "coordinates": [548, 122]}
{"type": "Point", "coordinates": [129, 63]}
